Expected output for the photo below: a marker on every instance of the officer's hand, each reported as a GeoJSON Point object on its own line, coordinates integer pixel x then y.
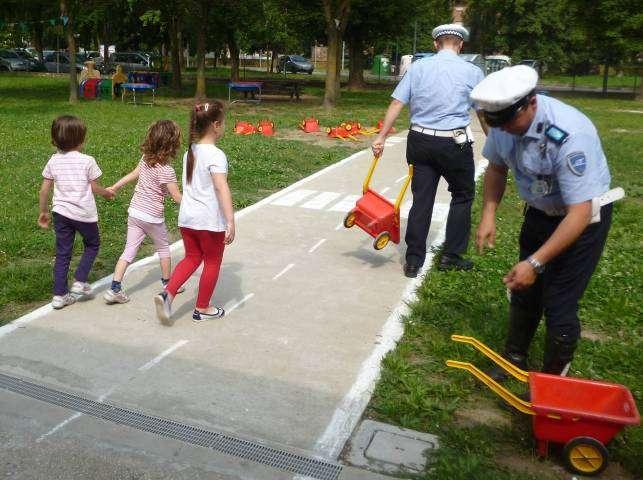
{"type": "Point", "coordinates": [486, 234]}
{"type": "Point", "coordinates": [521, 276]}
{"type": "Point", "coordinates": [378, 145]}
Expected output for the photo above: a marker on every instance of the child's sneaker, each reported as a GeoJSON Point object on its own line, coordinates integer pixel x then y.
{"type": "Point", "coordinates": [163, 310]}
{"type": "Point", "coordinates": [164, 286]}
{"type": "Point", "coordinates": [60, 301]}
{"type": "Point", "coordinates": [81, 288]}
{"type": "Point", "coordinates": [199, 317]}
{"type": "Point", "coordinates": [115, 297]}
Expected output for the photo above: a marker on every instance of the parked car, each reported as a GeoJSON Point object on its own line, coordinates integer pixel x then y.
{"type": "Point", "coordinates": [12, 62]}
{"type": "Point", "coordinates": [130, 61]}
{"type": "Point", "coordinates": [294, 64]}
{"type": "Point", "coordinates": [535, 64]}
{"type": "Point", "coordinates": [33, 64]}
{"type": "Point", "coordinates": [493, 63]}
{"type": "Point", "coordinates": [476, 58]}
{"type": "Point", "coordinates": [58, 62]}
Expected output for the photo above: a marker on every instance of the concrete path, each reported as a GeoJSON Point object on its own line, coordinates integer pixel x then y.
{"type": "Point", "coordinates": [311, 309]}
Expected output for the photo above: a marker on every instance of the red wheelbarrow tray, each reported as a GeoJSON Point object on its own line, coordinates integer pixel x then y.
{"type": "Point", "coordinates": [567, 407]}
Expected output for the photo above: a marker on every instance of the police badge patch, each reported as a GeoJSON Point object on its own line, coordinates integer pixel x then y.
{"type": "Point", "coordinates": [577, 163]}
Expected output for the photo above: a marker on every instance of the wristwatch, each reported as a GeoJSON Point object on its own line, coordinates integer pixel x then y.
{"type": "Point", "coordinates": [537, 266]}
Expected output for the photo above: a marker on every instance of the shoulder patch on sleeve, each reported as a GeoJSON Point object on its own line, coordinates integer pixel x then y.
{"type": "Point", "coordinates": [577, 163]}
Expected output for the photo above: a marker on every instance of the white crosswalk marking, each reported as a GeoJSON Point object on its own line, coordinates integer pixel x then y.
{"type": "Point", "coordinates": [293, 197]}
{"type": "Point", "coordinates": [440, 212]}
{"type": "Point", "coordinates": [321, 200]}
{"type": "Point", "coordinates": [345, 204]}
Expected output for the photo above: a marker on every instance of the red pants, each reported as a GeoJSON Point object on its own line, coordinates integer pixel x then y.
{"type": "Point", "coordinates": [200, 246]}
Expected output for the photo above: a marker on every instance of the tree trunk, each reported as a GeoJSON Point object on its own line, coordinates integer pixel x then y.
{"type": "Point", "coordinates": [71, 46]}
{"type": "Point", "coordinates": [331, 92]}
{"type": "Point", "coordinates": [273, 58]}
{"type": "Point", "coordinates": [355, 64]}
{"type": "Point", "coordinates": [234, 58]}
{"type": "Point", "coordinates": [200, 53]}
{"type": "Point", "coordinates": [37, 40]}
{"type": "Point", "coordinates": [336, 15]}
{"type": "Point", "coordinates": [176, 60]}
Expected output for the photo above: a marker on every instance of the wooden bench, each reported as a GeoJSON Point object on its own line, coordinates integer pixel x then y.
{"type": "Point", "coordinates": [272, 87]}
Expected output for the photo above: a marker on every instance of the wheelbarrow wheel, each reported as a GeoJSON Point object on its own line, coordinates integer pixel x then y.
{"type": "Point", "coordinates": [349, 220]}
{"type": "Point", "coordinates": [585, 456]}
{"type": "Point", "coordinates": [381, 240]}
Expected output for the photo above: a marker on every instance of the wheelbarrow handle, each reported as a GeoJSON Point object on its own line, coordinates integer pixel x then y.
{"type": "Point", "coordinates": [405, 185]}
{"type": "Point", "coordinates": [506, 395]}
{"type": "Point", "coordinates": [371, 169]}
{"type": "Point", "coordinates": [505, 364]}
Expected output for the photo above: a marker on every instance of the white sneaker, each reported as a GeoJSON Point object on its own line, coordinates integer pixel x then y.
{"type": "Point", "coordinates": [115, 297]}
{"type": "Point", "coordinates": [81, 288]}
{"type": "Point", "coordinates": [60, 301]}
{"type": "Point", "coordinates": [163, 310]}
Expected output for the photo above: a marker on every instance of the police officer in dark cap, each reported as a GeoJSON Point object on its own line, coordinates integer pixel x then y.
{"type": "Point", "coordinates": [439, 145]}
{"type": "Point", "coordinates": [556, 158]}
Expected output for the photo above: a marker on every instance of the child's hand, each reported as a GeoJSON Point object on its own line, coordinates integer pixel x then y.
{"type": "Point", "coordinates": [43, 220]}
{"type": "Point", "coordinates": [112, 189]}
{"type": "Point", "coordinates": [229, 234]}
{"type": "Point", "coordinates": [109, 193]}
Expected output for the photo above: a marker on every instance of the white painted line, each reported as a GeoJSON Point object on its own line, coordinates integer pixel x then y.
{"type": "Point", "coordinates": [345, 204]}
{"type": "Point", "coordinates": [239, 303]}
{"type": "Point", "coordinates": [440, 212]}
{"type": "Point", "coordinates": [293, 197]}
{"type": "Point", "coordinates": [389, 144]}
{"type": "Point", "coordinates": [162, 355]}
{"type": "Point", "coordinates": [405, 208]}
{"type": "Point", "coordinates": [350, 409]}
{"type": "Point", "coordinates": [340, 225]}
{"type": "Point", "coordinates": [288, 267]}
{"type": "Point", "coordinates": [384, 190]}
{"type": "Point", "coordinates": [321, 200]}
{"type": "Point", "coordinates": [59, 426]}
{"type": "Point", "coordinates": [316, 246]}
{"type": "Point", "coordinates": [400, 179]}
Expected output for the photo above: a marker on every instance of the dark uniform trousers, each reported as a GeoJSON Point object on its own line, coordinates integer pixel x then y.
{"type": "Point", "coordinates": [434, 157]}
{"type": "Point", "coordinates": [557, 290]}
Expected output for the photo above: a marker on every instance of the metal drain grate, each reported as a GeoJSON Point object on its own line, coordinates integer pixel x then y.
{"type": "Point", "coordinates": [236, 447]}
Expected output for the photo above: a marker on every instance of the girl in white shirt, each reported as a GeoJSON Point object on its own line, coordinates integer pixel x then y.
{"type": "Point", "coordinates": [206, 217]}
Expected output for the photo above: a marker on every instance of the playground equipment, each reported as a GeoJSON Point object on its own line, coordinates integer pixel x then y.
{"type": "Point", "coordinates": [375, 214]}
{"type": "Point", "coordinates": [309, 125]}
{"type": "Point", "coordinates": [340, 132]}
{"type": "Point", "coordinates": [244, 128]}
{"type": "Point", "coordinates": [584, 415]}
{"type": "Point", "coordinates": [266, 127]}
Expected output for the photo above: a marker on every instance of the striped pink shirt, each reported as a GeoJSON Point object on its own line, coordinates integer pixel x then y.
{"type": "Point", "coordinates": [150, 191]}
{"type": "Point", "coordinates": [72, 173]}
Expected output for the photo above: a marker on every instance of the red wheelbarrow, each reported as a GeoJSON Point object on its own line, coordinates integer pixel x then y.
{"type": "Point", "coordinates": [375, 214]}
{"type": "Point", "coordinates": [584, 415]}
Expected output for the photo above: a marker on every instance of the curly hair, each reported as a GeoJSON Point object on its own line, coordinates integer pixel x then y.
{"type": "Point", "coordinates": [161, 143]}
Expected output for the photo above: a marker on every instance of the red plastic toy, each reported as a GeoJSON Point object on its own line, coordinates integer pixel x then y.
{"type": "Point", "coordinates": [584, 415]}
{"type": "Point", "coordinates": [375, 214]}
{"type": "Point", "coordinates": [90, 88]}
{"type": "Point", "coordinates": [309, 125]}
{"type": "Point", "coordinates": [340, 132]}
{"type": "Point", "coordinates": [244, 128]}
{"type": "Point", "coordinates": [380, 124]}
{"type": "Point", "coordinates": [266, 127]}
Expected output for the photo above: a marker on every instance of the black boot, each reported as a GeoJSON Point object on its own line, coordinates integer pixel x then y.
{"type": "Point", "coordinates": [522, 327]}
{"type": "Point", "coordinates": [559, 352]}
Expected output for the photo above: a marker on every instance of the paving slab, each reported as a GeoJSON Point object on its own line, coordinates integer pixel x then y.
{"type": "Point", "coordinates": [311, 309]}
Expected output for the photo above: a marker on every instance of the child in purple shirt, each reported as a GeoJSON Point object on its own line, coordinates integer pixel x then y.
{"type": "Point", "coordinates": [74, 178]}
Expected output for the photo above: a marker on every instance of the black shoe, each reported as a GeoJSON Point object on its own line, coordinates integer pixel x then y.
{"type": "Point", "coordinates": [452, 261]}
{"type": "Point", "coordinates": [499, 374]}
{"type": "Point", "coordinates": [202, 317]}
{"type": "Point", "coordinates": [411, 270]}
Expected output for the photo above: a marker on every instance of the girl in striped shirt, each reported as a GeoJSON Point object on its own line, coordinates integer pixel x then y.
{"type": "Point", "coordinates": [156, 180]}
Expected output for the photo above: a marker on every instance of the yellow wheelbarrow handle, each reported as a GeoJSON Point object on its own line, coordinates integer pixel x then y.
{"type": "Point", "coordinates": [506, 365]}
{"type": "Point", "coordinates": [507, 396]}
{"type": "Point", "coordinates": [371, 169]}
{"type": "Point", "coordinates": [405, 185]}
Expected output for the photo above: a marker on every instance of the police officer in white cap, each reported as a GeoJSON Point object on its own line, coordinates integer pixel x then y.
{"type": "Point", "coordinates": [439, 145]}
{"type": "Point", "coordinates": [556, 158]}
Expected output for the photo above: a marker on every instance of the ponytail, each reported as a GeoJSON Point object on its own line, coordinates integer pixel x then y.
{"type": "Point", "coordinates": [202, 117]}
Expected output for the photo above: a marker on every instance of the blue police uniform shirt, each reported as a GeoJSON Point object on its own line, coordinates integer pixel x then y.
{"type": "Point", "coordinates": [551, 175]}
{"type": "Point", "coordinates": [437, 90]}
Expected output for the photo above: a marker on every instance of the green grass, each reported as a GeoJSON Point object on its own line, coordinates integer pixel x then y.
{"type": "Point", "coordinates": [258, 165]}
{"type": "Point", "coordinates": [418, 391]}
{"type": "Point", "coordinates": [594, 81]}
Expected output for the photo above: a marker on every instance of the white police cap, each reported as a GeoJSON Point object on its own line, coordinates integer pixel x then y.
{"type": "Point", "coordinates": [502, 89]}
{"type": "Point", "coordinates": [451, 29]}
